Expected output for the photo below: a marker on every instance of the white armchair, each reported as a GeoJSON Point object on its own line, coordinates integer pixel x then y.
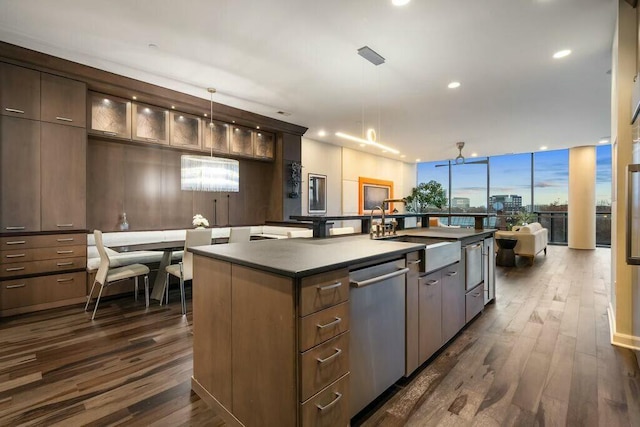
{"type": "Point", "coordinates": [532, 239]}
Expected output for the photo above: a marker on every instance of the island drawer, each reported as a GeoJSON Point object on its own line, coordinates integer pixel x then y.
{"type": "Point", "coordinates": [46, 266]}
{"type": "Point", "coordinates": [323, 325]}
{"type": "Point", "coordinates": [22, 255]}
{"type": "Point", "coordinates": [323, 290]}
{"type": "Point", "coordinates": [323, 364]}
{"type": "Point", "coordinates": [328, 408]}
{"type": "Point", "coordinates": [40, 290]}
{"type": "Point", "coordinates": [42, 241]}
{"type": "Point", "coordinates": [474, 302]}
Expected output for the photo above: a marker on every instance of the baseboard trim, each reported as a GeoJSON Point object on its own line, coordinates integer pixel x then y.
{"type": "Point", "coordinates": [631, 342]}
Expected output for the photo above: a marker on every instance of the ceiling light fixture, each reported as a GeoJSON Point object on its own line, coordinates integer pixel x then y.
{"type": "Point", "coordinates": [453, 85]}
{"type": "Point", "coordinates": [562, 53]}
{"type": "Point", "coordinates": [603, 140]}
{"type": "Point", "coordinates": [400, 2]}
{"type": "Point", "coordinates": [322, 133]}
{"type": "Point", "coordinates": [367, 141]}
{"type": "Point", "coordinates": [371, 55]}
{"type": "Point", "coordinates": [417, 160]}
{"type": "Point", "coordinates": [544, 147]}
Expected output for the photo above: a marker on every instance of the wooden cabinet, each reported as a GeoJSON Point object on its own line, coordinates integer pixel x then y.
{"type": "Point", "coordinates": [63, 101]}
{"type": "Point", "coordinates": [430, 313]}
{"type": "Point", "coordinates": [19, 174]}
{"type": "Point", "coordinates": [264, 145]}
{"type": "Point", "coordinates": [63, 171]}
{"type": "Point", "coordinates": [19, 92]}
{"type": "Point", "coordinates": [110, 115]}
{"type": "Point", "coordinates": [24, 295]}
{"type": "Point", "coordinates": [453, 302]}
{"type": "Point", "coordinates": [241, 141]}
{"type": "Point", "coordinates": [150, 124]}
{"type": "Point", "coordinates": [185, 130]}
{"type": "Point", "coordinates": [215, 137]}
{"type": "Point", "coordinates": [329, 408]}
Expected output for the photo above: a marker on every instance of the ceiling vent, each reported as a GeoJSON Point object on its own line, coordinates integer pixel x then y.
{"type": "Point", "coordinates": [283, 113]}
{"type": "Point", "coordinates": [370, 55]}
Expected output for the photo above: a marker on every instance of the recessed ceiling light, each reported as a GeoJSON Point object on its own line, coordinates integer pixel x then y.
{"type": "Point", "coordinates": [603, 141]}
{"type": "Point", "coordinates": [400, 2]}
{"type": "Point", "coordinates": [562, 53]}
{"type": "Point", "coordinates": [322, 133]}
{"type": "Point", "coordinates": [173, 107]}
{"type": "Point", "coordinates": [417, 160]}
{"type": "Point", "coordinates": [257, 127]}
{"type": "Point", "coordinates": [205, 114]}
{"type": "Point", "coordinates": [453, 85]}
{"type": "Point", "coordinates": [134, 97]}
{"type": "Point", "coordinates": [474, 154]}
{"type": "Point", "coordinates": [544, 147]}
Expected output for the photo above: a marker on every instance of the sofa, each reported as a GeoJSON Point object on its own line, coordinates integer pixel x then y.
{"type": "Point", "coordinates": [532, 239]}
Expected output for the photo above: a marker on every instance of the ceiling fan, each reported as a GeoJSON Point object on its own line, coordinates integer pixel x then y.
{"type": "Point", "coordinates": [460, 160]}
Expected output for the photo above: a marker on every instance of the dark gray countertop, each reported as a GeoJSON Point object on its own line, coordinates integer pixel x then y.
{"type": "Point", "coordinates": [448, 233]}
{"type": "Point", "coordinates": [304, 257]}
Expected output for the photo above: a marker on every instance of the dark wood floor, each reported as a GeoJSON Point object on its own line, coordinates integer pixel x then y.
{"type": "Point", "coordinates": [539, 356]}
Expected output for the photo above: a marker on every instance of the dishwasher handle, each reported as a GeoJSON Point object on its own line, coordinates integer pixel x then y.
{"type": "Point", "coordinates": [367, 282]}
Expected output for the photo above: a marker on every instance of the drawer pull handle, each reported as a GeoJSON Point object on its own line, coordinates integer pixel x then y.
{"type": "Point", "coordinates": [15, 269]}
{"type": "Point", "coordinates": [68, 239]}
{"type": "Point", "coordinates": [15, 256]}
{"type": "Point", "coordinates": [70, 279]}
{"type": "Point", "coordinates": [333, 402]}
{"type": "Point", "coordinates": [63, 264]}
{"type": "Point", "coordinates": [476, 295]}
{"type": "Point", "coordinates": [64, 225]}
{"type": "Point", "coordinates": [14, 110]}
{"type": "Point", "coordinates": [452, 273]}
{"type": "Point", "coordinates": [110, 133]}
{"type": "Point", "coordinates": [333, 356]}
{"type": "Point", "coordinates": [64, 252]}
{"type": "Point", "coordinates": [17, 242]}
{"type": "Point", "coordinates": [326, 288]}
{"type": "Point", "coordinates": [367, 282]}
{"type": "Point", "coordinates": [414, 262]}
{"type": "Point", "coordinates": [64, 119]}
{"type": "Point", "coordinates": [15, 228]}
{"type": "Point", "coordinates": [431, 282]}
{"type": "Point", "coordinates": [332, 323]}
{"type": "Point", "coordinates": [152, 139]}
{"type": "Point", "coordinates": [21, 285]}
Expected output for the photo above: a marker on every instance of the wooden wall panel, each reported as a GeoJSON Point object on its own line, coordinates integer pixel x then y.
{"type": "Point", "coordinates": [177, 205]}
{"type": "Point", "coordinates": [143, 187]}
{"type": "Point", "coordinates": [105, 184]}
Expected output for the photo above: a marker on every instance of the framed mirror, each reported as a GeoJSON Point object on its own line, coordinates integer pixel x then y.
{"type": "Point", "coordinates": [317, 194]}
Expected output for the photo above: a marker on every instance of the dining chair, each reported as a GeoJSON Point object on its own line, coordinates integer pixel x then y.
{"type": "Point", "coordinates": [106, 275]}
{"type": "Point", "coordinates": [239, 234]}
{"type": "Point", "coordinates": [300, 233]}
{"type": "Point", "coordinates": [341, 230]}
{"type": "Point", "coordinates": [184, 270]}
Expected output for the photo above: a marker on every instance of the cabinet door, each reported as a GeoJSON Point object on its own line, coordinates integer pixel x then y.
{"type": "Point", "coordinates": [215, 137]}
{"type": "Point", "coordinates": [264, 145]}
{"type": "Point", "coordinates": [150, 124]}
{"type": "Point", "coordinates": [242, 141]}
{"type": "Point", "coordinates": [63, 101]}
{"type": "Point", "coordinates": [184, 130]}
{"type": "Point", "coordinates": [453, 302]}
{"type": "Point", "coordinates": [430, 320]}
{"type": "Point", "coordinates": [489, 270]}
{"type": "Point", "coordinates": [64, 171]}
{"type": "Point", "coordinates": [412, 356]}
{"type": "Point", "coordinates": [19, 175]}
{"type": "Point", "coordinates": [110, 116]}
{"type": "Point", "coordinates": [19, 92]}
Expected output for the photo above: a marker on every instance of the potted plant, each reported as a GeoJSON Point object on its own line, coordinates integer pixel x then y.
{"type": "Point", "coordinates": [426, 194]}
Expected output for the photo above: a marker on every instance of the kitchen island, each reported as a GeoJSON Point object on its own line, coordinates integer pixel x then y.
{"type": "Point", "coordinates": [274, 324]}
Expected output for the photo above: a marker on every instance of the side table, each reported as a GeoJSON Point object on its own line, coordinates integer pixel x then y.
{"type": "Point", "coordinates": [506, 256]}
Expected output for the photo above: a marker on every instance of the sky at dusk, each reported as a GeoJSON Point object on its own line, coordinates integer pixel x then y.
{"type": "Point", "coordinates": [511, 174]}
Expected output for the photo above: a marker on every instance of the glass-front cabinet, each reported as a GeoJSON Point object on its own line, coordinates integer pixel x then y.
{"type": "Point", "coordinates": [110, 115]}
{"type": "Point", "coordinates": [185, 130]}
{"type": "Point", "coordinates": [150, 124]}
{"type": "Point", "coordinates": [264, 145]}
{"type": "Point", "coordinates": [242, 141]}
{"type": "Point", "coordinates": [215, 136]}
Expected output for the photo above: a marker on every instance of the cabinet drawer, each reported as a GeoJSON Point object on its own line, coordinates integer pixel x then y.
{"type": "Point", "coordinates": [323, 290]}
{"type": "Point", "coordinates": [46, 266]}
{"type": "Point", "coordinates": [329, 408]}
{"type": "Point", "coordinates": [318, 327]}
{"type": "Point", "coordinates": [40, 290]}
{"type": "Point", "coordinates": [23, 255]}
{"type": "Point", "coordinates": [474, 302]}
{"type": "Point", "coordinates": [323, 364]}
{"type": "Point", "coordinates": [42, 241]}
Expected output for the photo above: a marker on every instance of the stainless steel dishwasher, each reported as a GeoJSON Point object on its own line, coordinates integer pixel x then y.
{"type": "Point", "coordinates": [377, 330]}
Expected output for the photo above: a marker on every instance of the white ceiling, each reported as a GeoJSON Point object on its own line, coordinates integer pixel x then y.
{"type": "Point", "coordinates": [299, 56]}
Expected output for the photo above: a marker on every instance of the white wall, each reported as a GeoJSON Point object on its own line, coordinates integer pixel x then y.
{"type": "Point", "coordinates": [343, 167]}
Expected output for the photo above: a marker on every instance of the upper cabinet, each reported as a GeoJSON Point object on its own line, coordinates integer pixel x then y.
{"type": "Point", "coordinates": [19, 92]}
{"type": "Point", "coordinates": [264, 145]}
{"type": "Point", "coordinates": [241, 141]}
{"type": "Point", "coordinates": [215, 136]}
{"type": "Point", "coordinates": [63, 101]}
{"type": "Point", "coordinates": [110, 116]}
{"type": "Point", "coordinates": [185, 130]}
{"type": "Point", "coordinates": [150, 124]}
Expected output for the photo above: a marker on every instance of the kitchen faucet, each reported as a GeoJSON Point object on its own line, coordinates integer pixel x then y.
{"type": "Point", "coordinates": [382, 225]}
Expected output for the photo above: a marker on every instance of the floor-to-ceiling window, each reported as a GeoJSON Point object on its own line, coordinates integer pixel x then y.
{"type": "Point", "coordinates": [435, 171]}
{"type": "Point", "coordinates": [468, 190]}
{"type": "Point", "coordinates": [510, 189]}
{"type": "Point", "coordinates": [551, 192]}
{"type": "Point", "coordinates": [603, 195]}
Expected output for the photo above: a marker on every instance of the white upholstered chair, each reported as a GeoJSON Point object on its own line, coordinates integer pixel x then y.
{"type": "Point", "coordinates": [300, 233]}
{"type": "Point", "coordinates": [184, 270]}
{"type": "Point", "coordinates": [239, 234]}
{"type": "Point", "coordinates": [106, 276]}
{"type": "Point", "coordinates": [341, 230]}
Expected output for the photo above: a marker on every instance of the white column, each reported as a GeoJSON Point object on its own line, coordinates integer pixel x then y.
{"type": "Point", "coordinates": [582, 198]}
